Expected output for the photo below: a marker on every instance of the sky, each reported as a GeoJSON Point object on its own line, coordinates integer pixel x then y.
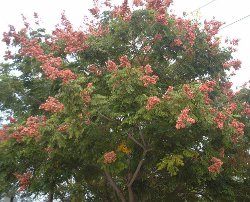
{"type": "Point", "coordinates": [223, 10]}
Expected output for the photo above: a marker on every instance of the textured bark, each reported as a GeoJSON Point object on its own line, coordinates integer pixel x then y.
{"type": "Point", "coordinates": [50, 197]}
{"type": "Point", "coordinates": [131, 197]}
{"type": "Point", "coordinates": [114, 186]}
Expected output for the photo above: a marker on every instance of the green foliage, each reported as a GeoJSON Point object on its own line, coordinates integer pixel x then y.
{"type": "Point", "coordinates": [109, 112]}
{"type": "Point", "coordinates": [171, 163]}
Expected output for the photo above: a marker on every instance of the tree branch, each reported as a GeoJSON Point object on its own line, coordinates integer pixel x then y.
{"type": "Point", "coordinates": [114, 186]}
{"type": "Point", "coordinates": [131, 180]}
{"type": "Point", "coordinates": [135, 141]}
{"type": "Point", "coordinates": [137, 168]}
{"type": "Point", "coordinates": [105, 117]}
{"type": "Point", "coordinates": [143, 140]}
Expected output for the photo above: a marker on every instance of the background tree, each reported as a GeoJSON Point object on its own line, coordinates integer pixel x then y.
{"type": "Point", "coordinates": [137, 106]}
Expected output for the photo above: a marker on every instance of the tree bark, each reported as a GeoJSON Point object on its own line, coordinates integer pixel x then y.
{"type": "Point", "coordinates": [138, 168]}
{"type": "Point", "coordinates": [131, 197]}
{"type": "Point", "coordinates": [12, 199]}
{"type": "Point", "coordinates": [132, 177]}
{"type": "Point", "coordinates": [50, 197]}
{"type": "Point", "coordinates": [114, 186]}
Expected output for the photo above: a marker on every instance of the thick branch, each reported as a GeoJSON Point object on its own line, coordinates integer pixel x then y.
{"type": "Point", "coordinates": [131, 180]}
{"type": "Point", "coordinates": [114, 186]}
{"type": "Point", "coordinates": [50, 197]}
{"type": "Point", "coordinates": [138, 168]}
{"type": "Point", "coordinates": [131, 197]}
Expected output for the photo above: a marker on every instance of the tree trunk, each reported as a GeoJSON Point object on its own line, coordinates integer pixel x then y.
{"type": "Point", "coordinates": [12, 199]}
{"type": "Point", "coordinates": [50, 197]}
{"type": "Point", "coordinates": [131, 197]}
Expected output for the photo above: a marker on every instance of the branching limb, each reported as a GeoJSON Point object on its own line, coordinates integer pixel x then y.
{"type": "Point", "coordinates": [133, 176]}
{"type": "Point", "coordinates": [145, 150]}
{"type": "Point", "coordinates": [114, 186]}
{"type": "Point", "coordinates": [131, 181]}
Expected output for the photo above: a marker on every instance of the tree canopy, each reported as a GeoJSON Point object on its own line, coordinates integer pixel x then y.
{"type": "Point", "coordinates": [135, 106]}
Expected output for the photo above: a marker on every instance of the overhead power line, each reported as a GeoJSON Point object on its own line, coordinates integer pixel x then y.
{"type": "Point", "coordinates": [203, 6]}
{"type": "Point", "coordinates": [240, 19]}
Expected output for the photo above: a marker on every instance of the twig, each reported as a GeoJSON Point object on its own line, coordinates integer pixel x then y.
{"type": "Point", "coordinates": [143, 140]}
{"type": "Point", "coordinates": [138, 143]}
{"type": "Point", "coordinates": [106, 117]}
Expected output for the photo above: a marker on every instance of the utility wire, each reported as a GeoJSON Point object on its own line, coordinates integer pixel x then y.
{"type": "Point", "coordinates": [240, 19]}
{"type": "Point", "coordinates": [235, 22]}
{"type": "Point", "coordinates": [203, 6]}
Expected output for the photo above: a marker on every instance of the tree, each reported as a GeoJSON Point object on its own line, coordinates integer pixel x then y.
{"type": "Point", "coordinates": [136, 107]}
